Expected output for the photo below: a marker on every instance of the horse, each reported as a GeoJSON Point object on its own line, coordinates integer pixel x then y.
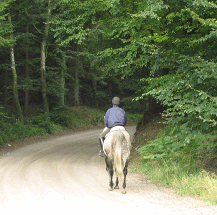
{"type": "Point", "coordinates": [117, 146]}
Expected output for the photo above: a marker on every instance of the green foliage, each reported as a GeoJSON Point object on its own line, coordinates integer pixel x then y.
{"type": "Point", "coordinates": [57, 120]}
{"type": "Point", "coordinates": [11, 132]}
{"type": "Point", "coordinates": [48, 123]}
{"type": "Point", "coordinates": [72, 117]}
{"type": "Point", "coordinates": [183, 67]}
{"type": "Point", "coordinates": [3, 116]}
{"type": "Point", "coordinates": [4, 39]}
{"type": "Point", "coordinates": [178, 158]}
{"type": "Point", "coordinates": [44, 121]}
{"type": "Point", "coordinates": [190, 92]}
{"type": "Point", "coordinates": [74, 21]}
{"type": "Point", "coordinates": [176, 141]}
{"type": "Point", "coordinates": [185, 177]}
{"type": "Point", "coordinates": [133, 117]}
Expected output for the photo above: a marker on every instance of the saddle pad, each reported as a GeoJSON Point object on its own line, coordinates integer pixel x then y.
{"type": "Point", "coordinates": [116, 128]}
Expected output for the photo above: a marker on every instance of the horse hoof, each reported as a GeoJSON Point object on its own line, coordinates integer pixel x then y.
{"type": "Point", "coordinates": [116, 187]}
{"type": "Point", "coordinates": [110, 189]}
{"type": "Point", "coordinates": [123, 191]}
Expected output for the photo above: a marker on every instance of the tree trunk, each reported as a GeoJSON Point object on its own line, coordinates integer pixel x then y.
{"type": "Point", "coordinates": [62, 81]}
{"type": "Point", "coordinates": [78, 69]}
{"type": "Point", "coordinates": [77, 87]}
{"type": "Point", "coordinates": [6, 94]}
{"type": "Point", "coordinates": [27, 72]}
{"type": "Point", "coordinates": [43, 60]}
{"type": "Point", "coordinates": [43, 77]}
{"type": "Point", "coordinates": [14, 73]}
{"type": "Point", "coordinates": [95, 100]}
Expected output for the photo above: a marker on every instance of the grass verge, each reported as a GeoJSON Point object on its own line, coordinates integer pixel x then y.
{"type": "Point", "coordinates": [198, 183]}
{"type": "Point", "coordinates": [184, 172]}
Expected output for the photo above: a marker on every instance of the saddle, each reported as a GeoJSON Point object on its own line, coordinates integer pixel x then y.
{"type": "Point", "coordinates": [116, 128]}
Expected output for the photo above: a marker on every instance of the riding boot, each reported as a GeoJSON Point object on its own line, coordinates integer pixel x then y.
{"type": "Point", "coordinates": [101, 152]}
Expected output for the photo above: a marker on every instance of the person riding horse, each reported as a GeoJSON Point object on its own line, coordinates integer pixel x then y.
{"type": "Point", "coordinates": [114, 116]}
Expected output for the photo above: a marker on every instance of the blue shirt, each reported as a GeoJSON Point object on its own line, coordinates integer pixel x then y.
{"type": "Point", "coordinates": [115, 116]}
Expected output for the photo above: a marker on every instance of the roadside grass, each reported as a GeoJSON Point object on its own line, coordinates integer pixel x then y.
{"type": "Point", "coordinates": [201, 184]}
{"type": "Point", "coordinates": [185, 173]}
{"type": "Point", "coordinates": [196, 183]}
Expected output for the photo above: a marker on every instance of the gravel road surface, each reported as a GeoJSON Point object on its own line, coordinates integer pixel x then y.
{"type": "Point", "coordinates": [64, 175]}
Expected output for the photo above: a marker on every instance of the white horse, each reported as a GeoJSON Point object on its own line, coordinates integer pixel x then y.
{"type": "Point", "coordinates": [117, 146]}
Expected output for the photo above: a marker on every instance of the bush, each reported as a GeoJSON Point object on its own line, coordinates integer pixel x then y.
{"type": "Point", "coordinates": [176, 141]}
{"type": "Point", "coordinates": [47, 123]}
{"type": "Point", "coordinates": [75, 117]}
{"type": "Point", "coordinates": [67, 117]}
{"type": "Point", "coordinates": [179, 157]}
{"type": "Point", "coordinates": [16, 131]}
{"type": "Point", "coordinates": [44, 121]}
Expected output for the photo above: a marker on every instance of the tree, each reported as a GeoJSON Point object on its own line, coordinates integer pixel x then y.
{"type": "Point", "coordinates": [189, 89]}
{"type": "Point", "coordinates": [73, 28]}
{"type": "Point", "coordinates": [43, 57]}
{"type": "Point", "coordinates": [4, 40]}
{"type": "Point", "coordinates": [62, 79]}
{"type": "Point", "coordinates": [13, 68]}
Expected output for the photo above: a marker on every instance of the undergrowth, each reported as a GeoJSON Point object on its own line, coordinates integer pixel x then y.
{"type": "Point", "coordinates": [57, 120]}
{"type": "Point", "coordinates": [181, 159]}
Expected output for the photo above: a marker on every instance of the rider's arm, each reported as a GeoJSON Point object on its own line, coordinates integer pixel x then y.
{"type": "Point", "coordinates": [125, 119]}
{"type": "Point", "coordinates": [106, 118]}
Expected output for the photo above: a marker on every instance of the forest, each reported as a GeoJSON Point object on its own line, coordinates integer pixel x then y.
{"type": "Point", "coordinates": [158, 56]}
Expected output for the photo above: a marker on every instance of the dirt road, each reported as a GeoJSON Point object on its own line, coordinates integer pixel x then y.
{"type": "Point", "coordinates": [64, 175]}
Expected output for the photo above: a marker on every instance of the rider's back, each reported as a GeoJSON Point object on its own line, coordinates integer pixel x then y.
{"type": "Point", "coordinates": [115, 116]}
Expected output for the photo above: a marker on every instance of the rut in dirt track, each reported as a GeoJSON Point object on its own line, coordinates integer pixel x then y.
{"type": "Point", "coordinates": [65, 175]}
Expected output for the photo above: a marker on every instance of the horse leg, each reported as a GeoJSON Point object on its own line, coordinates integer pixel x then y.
{"type": "Point", "coordinates": [116, 184]}
{"type": "Point", "coordinates": [109, 168]}
{"type": "Point", "coordinates": [111, 184]}
{"type": "Point", "coordinates": [125, 176]}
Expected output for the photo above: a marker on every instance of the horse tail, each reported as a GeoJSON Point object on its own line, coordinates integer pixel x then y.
{"type": "Point", "coordinates": [118, 164]}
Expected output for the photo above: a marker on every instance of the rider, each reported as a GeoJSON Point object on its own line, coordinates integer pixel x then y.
{"type": "Point", "coordinates": [114, 116]}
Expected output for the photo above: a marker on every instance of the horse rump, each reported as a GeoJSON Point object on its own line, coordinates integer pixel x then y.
{"type": "Point", "coordinates": [117, 148]}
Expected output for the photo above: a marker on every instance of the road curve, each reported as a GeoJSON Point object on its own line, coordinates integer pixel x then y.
{"type": "Point", "coordinates": [64, 175]}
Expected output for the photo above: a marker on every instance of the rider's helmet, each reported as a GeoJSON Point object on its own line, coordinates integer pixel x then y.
{"type": "Point", "coordinates": [116, 101]}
